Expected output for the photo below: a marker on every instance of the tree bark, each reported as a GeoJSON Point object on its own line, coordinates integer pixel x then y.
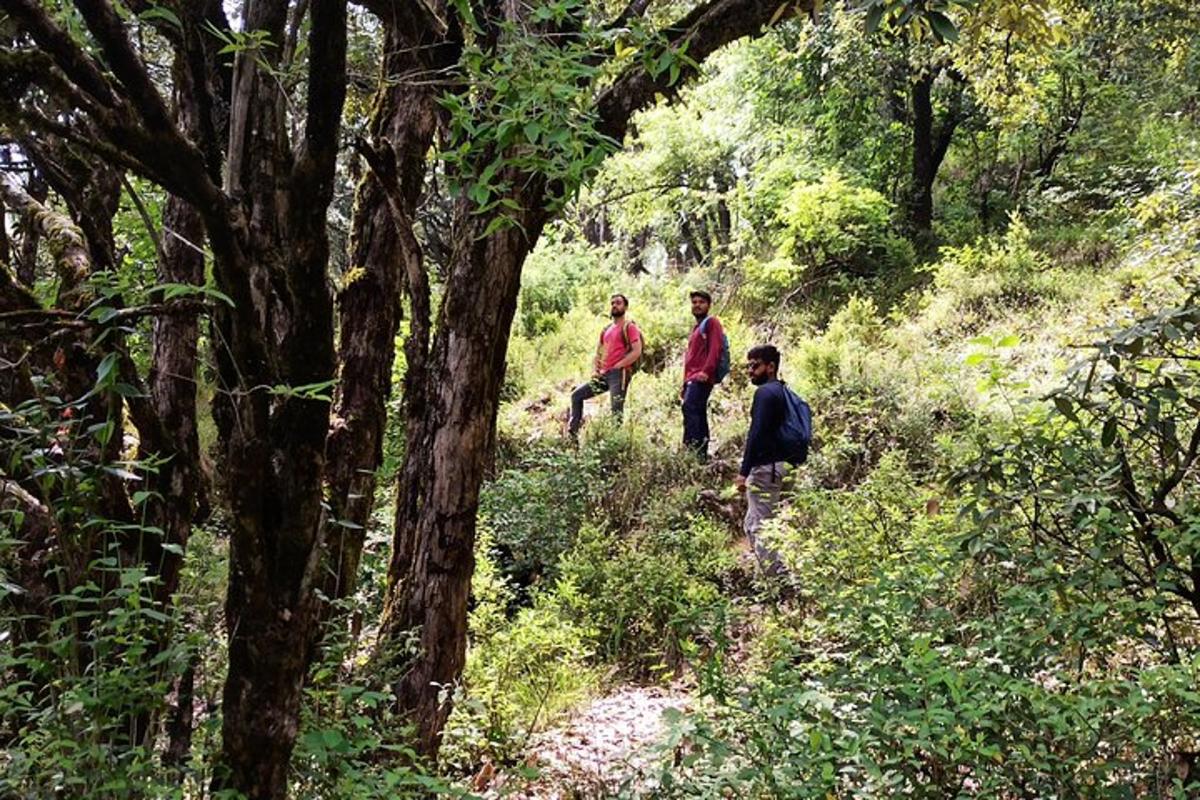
{"type": "Point", "coordinates": [920, 215]}
{"type": "Point", "coordinates": [274, 442]}
{"type": "Point", "coordinates": [929, 149]}
{"type": "Point", "coordinates": [385, 256]}
{"type": "Point", "coordinates": [451, 423]}
{"type": "Point", "coordinates": [173, 375]}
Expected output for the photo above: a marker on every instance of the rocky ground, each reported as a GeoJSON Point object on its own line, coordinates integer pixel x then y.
{"type": "Point", "coordinates": [605, 749]}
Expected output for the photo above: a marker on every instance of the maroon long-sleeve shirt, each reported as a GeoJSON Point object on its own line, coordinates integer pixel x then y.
{"type": "Point", "coordinates": [703, 351]}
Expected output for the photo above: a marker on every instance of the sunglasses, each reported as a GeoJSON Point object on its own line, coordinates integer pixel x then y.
{"type": "Point", "coordinates": [753, 365]}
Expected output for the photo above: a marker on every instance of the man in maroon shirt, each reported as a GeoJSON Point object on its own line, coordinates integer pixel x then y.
{"type": "Point", "coordinates": [620, 346]}
{"type": "Point", "coordinates": [699, 373]}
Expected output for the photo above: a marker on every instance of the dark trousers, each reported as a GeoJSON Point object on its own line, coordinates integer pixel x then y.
{"type": "Point", "coordinates": [695, 416]}
{"type": "Point", "coordinates": [615, 382]}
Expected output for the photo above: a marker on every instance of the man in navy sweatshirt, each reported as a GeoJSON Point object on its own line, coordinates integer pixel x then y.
{"type": "Point", "coordinates": [763, 464]}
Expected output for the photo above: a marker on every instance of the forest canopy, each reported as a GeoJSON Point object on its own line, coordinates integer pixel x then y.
{"type": "Point", "coordinates": [295, 297]}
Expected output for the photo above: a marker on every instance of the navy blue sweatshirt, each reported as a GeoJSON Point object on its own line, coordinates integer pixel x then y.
{"type": "Point", "coordinates": [766, 418]}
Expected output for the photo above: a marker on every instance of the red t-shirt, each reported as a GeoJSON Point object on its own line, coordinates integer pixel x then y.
{"type": "Point", "coordinates": [703, 351]}
{"type": "Point", "coordinates": [613, 342]}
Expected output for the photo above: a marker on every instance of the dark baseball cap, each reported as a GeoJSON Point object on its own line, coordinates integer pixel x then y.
{"type": "Point", "coordinates": [701, 294]}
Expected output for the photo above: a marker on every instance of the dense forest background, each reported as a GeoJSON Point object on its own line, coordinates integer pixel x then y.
{"type": "Point", "coordinates": [293, 297]}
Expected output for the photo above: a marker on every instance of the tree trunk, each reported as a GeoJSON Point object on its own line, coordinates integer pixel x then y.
{"type": "Point", "coordinates": [920, 214]}
{"type": "Point", "coordinates": [275, 363]}
{"type": "Point", "coordinates": [451, 425]}
{"type": "Point", "coordinates": [929, 149]}
{"type": "Point", "coordinates": [384, 254]}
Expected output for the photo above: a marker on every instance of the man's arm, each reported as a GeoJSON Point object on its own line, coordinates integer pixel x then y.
{"type": "Point", "coordinates": [757, 423]}
{"type": "Point", "coordinates": [598, 361]}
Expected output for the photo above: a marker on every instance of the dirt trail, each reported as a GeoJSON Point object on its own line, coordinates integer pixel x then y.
{"type": "Point", "coordinates": [609, 747]}
{"type": "Point", "coordinates": [604, 749]}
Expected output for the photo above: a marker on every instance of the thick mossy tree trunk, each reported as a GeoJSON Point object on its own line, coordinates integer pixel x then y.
{"type": "Point", "coordinates": [263, 199]}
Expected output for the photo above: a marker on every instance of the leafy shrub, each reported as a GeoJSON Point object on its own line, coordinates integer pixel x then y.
{"type": "Point", "coordinates": [521, 671]}
{"type": "Point", "coordinates": [88, 654]}
{"type": "Point", "coordinates": [534, 509]}
{"type": "Point", "coordinates": [1044, 646]}
{"type": "Point", "coordinates": [830, 231]}
{"type": "Point", "coordinates": [975, 283]}
{"type": "Point", "coordinates": [1103, 485]}
{"type": "Point", "coordinates": [648, 598]}
{"type": "Point", "coordinates": [555, 276]}
{"type": "Point", "coordinates": [871, 395]}
{"type": "Point", "coordinates": [837, 538]}
{"type": "Point", "coordinates": [521, 678]}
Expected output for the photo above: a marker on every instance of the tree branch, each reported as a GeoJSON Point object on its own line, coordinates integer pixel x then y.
{"type": "Point", "coordinates": [326, 95]}
{"type": "Point", "coordinates": [72, 259]}
{"type": "Point", "coordinates": [106, 26]}
{"type": "Point", "coordinates": [162, 155]}
{"type": "Point", "coordinates": [42, 318]}
{"type": "Point", "coordinates": [79, 67]}
{"type": "Point", "coordinates": [634, 9]}
{"type": "Point", "coordinates": [702, 31]}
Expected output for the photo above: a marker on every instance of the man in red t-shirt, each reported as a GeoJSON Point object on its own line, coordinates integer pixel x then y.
{"type": "Point", "coordinates": [699, 373]}
{"type": "Point", "coordinates": [620, 346]}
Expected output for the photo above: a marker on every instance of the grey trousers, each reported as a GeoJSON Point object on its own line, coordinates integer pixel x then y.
{"type": "Point", "coordinates": [763, 486]}
{"type": "Point", "coordinates": [615, 382]}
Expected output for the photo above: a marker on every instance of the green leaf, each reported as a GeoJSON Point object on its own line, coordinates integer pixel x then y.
{"type": "Point", "coordinates": [1109, 434]}
{"type": "Point", "coordinates": [942, 26]}
{"type": "Point", "coordinates": [159, 12]}
{"type": "Point", "coordinates": [874, 17]}
{"type": "Point", "coordinates": [104, 370]}
{"type": "Point", "coordinates": [497, 223]}
{"type": "Point", "coordinates": [1065, 408]}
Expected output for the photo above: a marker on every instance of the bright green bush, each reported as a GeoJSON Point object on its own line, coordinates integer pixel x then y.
{"type": "Point", "coordinates": [555, 276]}
{"type": "Point", "coordinates": [833, 539]}
{"type": "Point", "coordinates": [1042, 645]}
{"type": "Point", "coordinates": [831, 234]}
{"type": "Point", "coordinates": [650, 597]}
{"type": "Point", "coordinates": [872, 392]}
{"type": "Point", "coordinates": [534, 509]}
{"type": "Point", "coordinates": [522, 669]}
{"type": "Point", "coordinates": [976, 283]}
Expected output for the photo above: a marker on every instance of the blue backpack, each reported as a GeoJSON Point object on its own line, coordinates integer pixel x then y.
{"type": "Point", "coordinates": [723, 364]}
{"type": "Point", "coordinates": [795, 433]}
